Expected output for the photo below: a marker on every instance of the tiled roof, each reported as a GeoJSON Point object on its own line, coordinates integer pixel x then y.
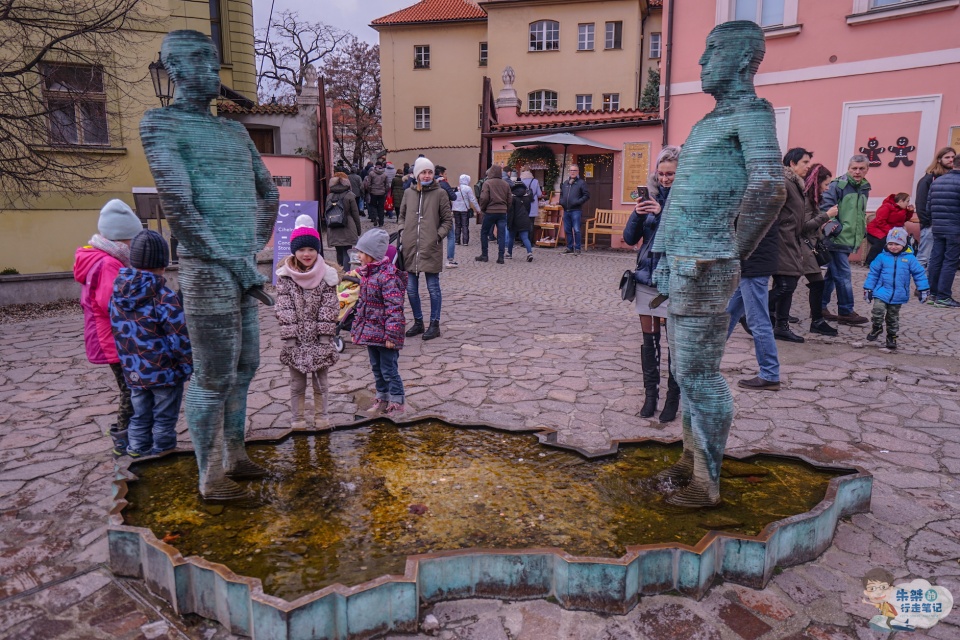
{"type": "Point", "coordinates": [655, 4]}
{"type": "Point", "coordinates": [225, 106]}
{"type": "Point", "coordinates": [585, 120]}
{"type": "Point", "coordinates": [433, 11]}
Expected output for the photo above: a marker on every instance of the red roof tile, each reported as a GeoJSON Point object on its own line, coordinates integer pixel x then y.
{"type": "Point", "coordinates": [589, 119]}
{"type": "Point", "coordinates": [655, 4]}
{"type": "Point", "coordinates": [433, 11]}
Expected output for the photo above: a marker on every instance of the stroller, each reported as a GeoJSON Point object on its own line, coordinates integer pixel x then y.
{"type": "Point", "coordinates": [348, 292]}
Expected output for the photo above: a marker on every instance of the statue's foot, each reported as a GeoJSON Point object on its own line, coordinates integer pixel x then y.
{"type": "Point", "coordinates": [223, 490]}
{"type": "Point", "coordinates": [245, 468]}
{"type": "Point", "coordinates": [258, 293]}
{"type": "Point", "coordinates": [679, 473]}
{"type": "Point", "coordinates": [697, 493]}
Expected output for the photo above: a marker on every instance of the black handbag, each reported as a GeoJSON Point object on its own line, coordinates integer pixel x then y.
{"type": "Point", "coordinates": [630, 279]}
{"type": "Point", "coordinates": [819, 251]}
{"type": "Point", "coordinates": [628, 286]}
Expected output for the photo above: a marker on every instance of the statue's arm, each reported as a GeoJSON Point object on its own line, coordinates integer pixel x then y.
{"type": "Point", "coordinates": [268, 202]}
{"type": "Point", "coordinates": [766, 189]}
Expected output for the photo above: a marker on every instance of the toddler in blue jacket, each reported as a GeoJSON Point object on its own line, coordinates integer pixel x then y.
{"type": "Point", "coordinates": [151, 333]}
{"type": "Point", "coordinates": [888, 285]}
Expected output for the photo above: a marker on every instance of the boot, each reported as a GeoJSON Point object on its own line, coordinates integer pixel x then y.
{"type": "Point", "coordinates": [120, 442]}
{"type": "Point", "coordinates": [672, 403]}
{"type": "Point", "coordinates": [891, 341]}
{"type": "Point", "coordinates": [875, 332]}
{"type": "Point", "coordinates": [433, 331]}
{"type": "Point", "coordinates": [650, 364]}
{"type": "Point", "coordinates": [416, 329]}
{"type": "Point", "coordinates": [782, 331]}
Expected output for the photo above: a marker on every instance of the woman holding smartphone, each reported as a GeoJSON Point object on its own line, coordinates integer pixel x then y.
{"type": "Point", "coordinates": [643, 225]}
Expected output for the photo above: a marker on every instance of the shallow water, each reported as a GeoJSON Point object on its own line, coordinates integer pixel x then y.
{"type": "Point", "coordinates": [348, 506]}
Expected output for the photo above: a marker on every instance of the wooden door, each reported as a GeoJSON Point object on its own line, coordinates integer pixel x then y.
{"type": "Point", "coordinates": [600, 184]}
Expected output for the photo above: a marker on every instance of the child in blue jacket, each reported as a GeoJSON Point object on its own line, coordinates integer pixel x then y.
{"type": "Point", "coordinates": [888, 285]}
{"type": "Point", "coordinates": [151, 333]}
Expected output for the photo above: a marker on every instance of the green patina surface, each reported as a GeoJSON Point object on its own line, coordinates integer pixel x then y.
{"type": "Point", "coordinates": [348, 506]}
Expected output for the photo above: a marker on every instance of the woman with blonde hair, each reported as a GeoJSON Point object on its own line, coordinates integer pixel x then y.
{"type": "Point", "coordinates": [942, 163]}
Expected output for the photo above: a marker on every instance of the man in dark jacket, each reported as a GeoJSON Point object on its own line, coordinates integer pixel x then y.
{"type": "Point", "coordinates": [356, 186]}
{"type": "Point", "coordinates": [750, 300]}
{"type": "Point", "coordinates": [573, 195]}
{"type": "Point", "coordinates": [376, 184]}
{"type": "Point", "coordinates": [442, 180]}
{"type": "Point", "coordinates": [796, 165]}
{"type": "Point", "coordinates": [943, 203]}
{"type": "Point", "coordinates": [495, 198]}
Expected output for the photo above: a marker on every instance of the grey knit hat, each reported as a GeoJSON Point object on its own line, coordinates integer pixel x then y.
{"type": "Point", "coordinates": [374, 243]}
{"type": "Point", "coordinates": [149, 251]}
{"type": "Point", "coordinates": [118, 221]}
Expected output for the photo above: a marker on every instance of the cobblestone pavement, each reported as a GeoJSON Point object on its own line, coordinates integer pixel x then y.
{"type": "Point", "coordinates": [524, 344]}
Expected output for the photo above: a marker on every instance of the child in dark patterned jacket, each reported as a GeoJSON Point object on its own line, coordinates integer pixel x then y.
{"type": "Point", "coordinates": [379, 323]}
{"type": "Point", "coordinates": [151, 334]}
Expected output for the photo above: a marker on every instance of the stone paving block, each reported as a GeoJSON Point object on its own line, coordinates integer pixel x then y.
{"type": "Point", "coordinates": [674, 621]}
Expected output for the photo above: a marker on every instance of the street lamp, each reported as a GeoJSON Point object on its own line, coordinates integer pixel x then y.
{"type": "Point", "coordinates": [163, 85]}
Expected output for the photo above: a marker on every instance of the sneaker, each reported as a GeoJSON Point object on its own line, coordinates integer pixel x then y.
{"type": "Point", "coordinates": [891, 342]}
{"type": "Point", "coordinates": [758, 384]}
{"type": "Point", "coordinates": [931, 300]}
{"type": "Point", "coordinates": [133, 453]}
{"type": "Point", "coordinates": [824, 329]}
{"type": "Point", "coordinates": [875, 332]}
{"type": "Point", "coordinates": [577, 252]}
{"type": "Point", "coordinates": [451, 264]}
{"type": "Point", "coordinates": [567, 251]}
{"type": "Point", "coordinates": [529, 257]}
{"type": "Point", "coordinates": [826, 314]}
{"type": "Point", "coordinates": [481, 259]}
{"type": "Point", "coordinates": [853, 318]}
{"type": "Point", "coordinates": [509, 256]}
{"type": "Point", "coordinates": [379, 406]}
{"type": "Point", "coordinates": [395, 409]}
{"type": "Point", "coordinates": [946, 303]}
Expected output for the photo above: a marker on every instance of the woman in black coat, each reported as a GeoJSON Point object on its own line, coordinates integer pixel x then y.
{"type": "Point", "coordinates": [643, 225]}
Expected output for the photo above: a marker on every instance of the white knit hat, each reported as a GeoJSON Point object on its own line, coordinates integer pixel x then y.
{"type": "Point", "coordinates": [118, 221]}
{"type": "Point", "coordinates": [420, 165]}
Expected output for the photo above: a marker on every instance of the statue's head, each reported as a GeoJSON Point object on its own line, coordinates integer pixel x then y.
{"type": "Point", "coordinates": [193, 64]}
{"type": "Point", "coordinates": [733, 55]}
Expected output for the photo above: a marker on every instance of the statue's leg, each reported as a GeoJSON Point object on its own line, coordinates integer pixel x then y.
{"type": "Point", "coordinates": [708, 402]}
{"type": "Point", "coordinates": [214, 326]}
{"type": "Point", "coordinates": [681, 471]}
{"type": "Point", "coordinates": [235, 461]}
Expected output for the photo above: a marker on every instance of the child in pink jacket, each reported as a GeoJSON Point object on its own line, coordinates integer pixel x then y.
{"type": "Point", "coordinates": [96, 266]}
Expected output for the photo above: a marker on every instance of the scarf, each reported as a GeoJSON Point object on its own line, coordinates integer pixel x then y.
{"type": "Point", "coordinates": [118, 250]}
{"type": "Point", "coordinates": [308, 280]}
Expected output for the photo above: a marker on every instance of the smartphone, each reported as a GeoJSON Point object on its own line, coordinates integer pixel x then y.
{"type": "Point", "coordinates": [643, 193]}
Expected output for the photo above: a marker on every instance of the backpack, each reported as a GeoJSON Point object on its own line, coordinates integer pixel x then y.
{"type": "Point", "coordinates": [527, 199]}
{"type": "Point", "coordinates": [335, 215]}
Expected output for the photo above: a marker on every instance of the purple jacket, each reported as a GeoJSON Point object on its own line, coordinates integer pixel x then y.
{"type": "Point", "coordinates": [379, 315]}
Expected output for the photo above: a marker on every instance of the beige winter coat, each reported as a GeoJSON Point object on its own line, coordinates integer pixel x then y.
{"type": "Point", "coordinates": [425, 220]}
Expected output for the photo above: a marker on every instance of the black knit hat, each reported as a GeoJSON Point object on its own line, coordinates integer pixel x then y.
{"type": "Point", "coordinates": [149, 251]}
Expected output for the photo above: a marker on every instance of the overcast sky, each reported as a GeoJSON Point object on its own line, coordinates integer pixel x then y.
{"type": "Point", "coordinates": [352, 15]}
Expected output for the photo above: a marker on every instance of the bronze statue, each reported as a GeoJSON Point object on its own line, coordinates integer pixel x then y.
{"type": "Point", "coordinates": [221, 204]}
{"type": "Point", "coordinates": [727, 192]}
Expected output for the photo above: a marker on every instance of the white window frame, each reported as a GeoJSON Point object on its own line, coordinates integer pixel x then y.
{"type": "Point", "coordinates": [865, 11]}
{"type": "Point", "coordinates": [584, 102]}
{"type": "Point", "coordinates": [726, 10]}
{"type": "Point", "coordinates": [421, 56]}
{"type": "Point", "coordinates": [421, 118]}
{"type": "Point", "coordinates": [538, 100]}
{"type": "Point", "coordinates": [78, 100]}
{"type": "Point", "coordinates": [610, 40]}
{"type": "Point", "coordinates": [611, 101]}
{"type": "Point", "coordinates": [539, 34]}
{"type": "Point", "coordinates": [484, 54]}
{"type": "Point", "coordinates": [585, 31]}
{"type": "Point", "coordinates": [656, 39]}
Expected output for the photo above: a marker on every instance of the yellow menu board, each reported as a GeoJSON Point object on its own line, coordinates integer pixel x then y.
{"type": "Point", "coordinates": [955, 137]}
{"type": "Point", "coordinates": [501, 156]}
{"type": "Point", "coordinates": [636, 168]}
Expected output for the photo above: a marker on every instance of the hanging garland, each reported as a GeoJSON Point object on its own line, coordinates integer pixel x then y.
{"type": "Point", "coordinates": [539, 155]}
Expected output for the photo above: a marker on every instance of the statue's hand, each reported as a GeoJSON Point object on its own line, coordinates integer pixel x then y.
{"type": "Point", "coordinates": [245, 271]}
{"type": "Point", "coordinates": [661, 276]}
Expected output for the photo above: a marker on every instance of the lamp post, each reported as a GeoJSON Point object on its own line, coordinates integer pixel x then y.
{"type": "Point", "coordinates": [163, 85]}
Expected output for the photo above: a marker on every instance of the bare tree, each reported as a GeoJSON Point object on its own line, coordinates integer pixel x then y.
{"type": "Point", "coordinates": [60, 91]}
{"type": "Point", "coordinates": [352, 77]}
{"type": "Point", "coordinates": [284, 53]}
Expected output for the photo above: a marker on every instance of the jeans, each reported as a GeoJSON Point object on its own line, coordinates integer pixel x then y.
{"type": "Point", "coordinates": [838, 277]}
{"type": "Point", "coordinates": [571, 228]}
{"type": "Point", "coordinates": [376, 209]}
{"type": "Point", "coordinates": [343, 257]}
{"type": "Point", "coordinates": [751, 299]}
{"type": "Point", "coordinates": [942, 267]}
{"type": "Point", "coordinates": [523, 237]}
{"type": "Point", "coordinates": [433, 288]}
{"type": "Point", "coordinates": [153, 427]}
{"type": "Point", "coordinates": [386, 373]}
{"type": "Point", "coordinates": [461, 232]}
{"type": "Point", "coordinates": [489, 220]}
{"type": "Point", "coordinates": [781, 297]}
{"type": "Point", "coordinates": [926, 244]}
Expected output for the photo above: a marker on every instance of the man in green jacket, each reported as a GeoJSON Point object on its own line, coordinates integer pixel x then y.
{"type": "Point", "coordinates": [849, 193]}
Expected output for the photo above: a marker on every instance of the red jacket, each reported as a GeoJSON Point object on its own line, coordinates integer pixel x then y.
{"type": "Point", "coordinates": [889, 215]}
{"type": "Point", "coordinates": [96, 270]}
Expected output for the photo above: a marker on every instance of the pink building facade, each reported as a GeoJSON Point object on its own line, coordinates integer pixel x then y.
{"type": "Point", "coordinates": [842, 75]}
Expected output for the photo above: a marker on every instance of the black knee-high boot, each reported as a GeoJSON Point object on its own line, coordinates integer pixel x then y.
{"type": "Point", "coordinates": [672, 403]}
{"type": "Point", "coordinates": [650, 363]}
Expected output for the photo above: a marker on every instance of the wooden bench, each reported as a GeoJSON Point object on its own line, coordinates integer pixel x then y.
{"type": "Point", "coordinates": [609, 222]}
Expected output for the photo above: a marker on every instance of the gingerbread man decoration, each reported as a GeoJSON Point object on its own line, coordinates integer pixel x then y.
{"type": "Point", "coordinates": [900, 152]}
{"type": "Point", "coordinates": [873, 151]}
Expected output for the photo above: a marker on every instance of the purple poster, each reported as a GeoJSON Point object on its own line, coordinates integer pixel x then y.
{"type": "Point", "coordinates": [286, 217]}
